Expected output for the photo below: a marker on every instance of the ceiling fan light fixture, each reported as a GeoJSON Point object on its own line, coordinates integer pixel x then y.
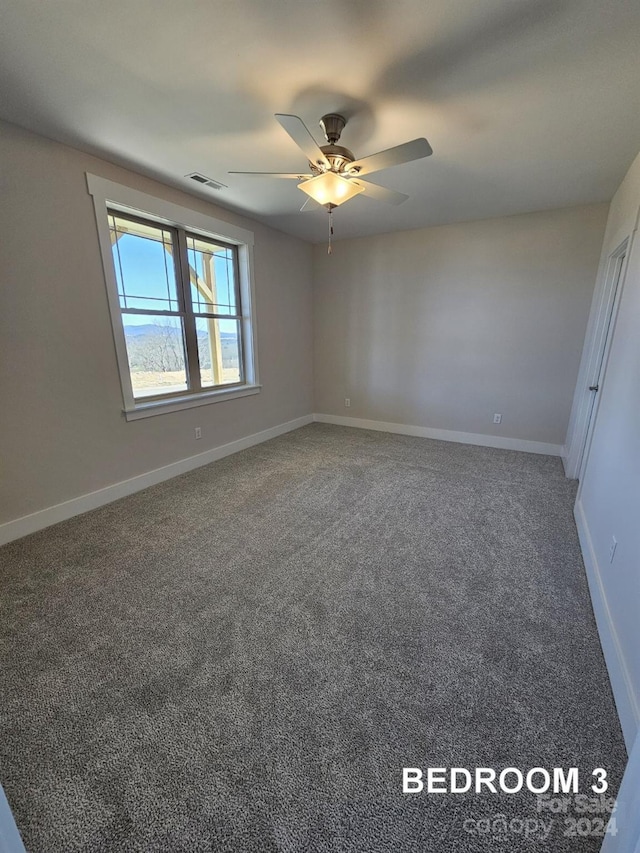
{"type": "Point", "coordinates": [330, 188]}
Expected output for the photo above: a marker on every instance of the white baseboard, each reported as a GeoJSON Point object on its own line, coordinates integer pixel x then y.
{"type": "Point", "coordinates": [621, 685]}
{"type": "Point", "coordinates": [76, 506]}
{"type": "Point", "coordinates": [446, 435]}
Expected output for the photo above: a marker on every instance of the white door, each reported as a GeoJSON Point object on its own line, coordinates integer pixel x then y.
{"type": "Point", "coordinates": [607, 322]}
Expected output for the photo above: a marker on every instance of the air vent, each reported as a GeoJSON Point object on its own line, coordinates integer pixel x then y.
{"type": "Point", "coordinates": [205, 181]}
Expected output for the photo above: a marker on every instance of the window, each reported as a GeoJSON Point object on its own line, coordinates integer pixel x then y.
{"type": "Point", "coordinates": [179, 286]}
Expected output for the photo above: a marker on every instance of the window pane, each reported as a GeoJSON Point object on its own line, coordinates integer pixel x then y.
{"type": "Point", "coordinates": [219, 351]}
{"type": "Point", "coordinates": [144, 264]}
{"type": "Point", "coordinates": [155, 347]}
{"type": "Point", "coordinates": [212, 275]}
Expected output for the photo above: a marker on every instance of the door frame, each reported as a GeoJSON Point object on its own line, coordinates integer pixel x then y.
{"type": "Point", "coordinates": [599, 339]}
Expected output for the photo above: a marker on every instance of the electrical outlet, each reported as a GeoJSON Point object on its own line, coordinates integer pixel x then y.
{"type": "Point", "coordinates": [497, 419]}
{"type": "Point", "coordinates": [612, 548]}
{"type": "Point", "coordinates": [198, 432]}
{"type": "Point", "coordinates": [347, 402]}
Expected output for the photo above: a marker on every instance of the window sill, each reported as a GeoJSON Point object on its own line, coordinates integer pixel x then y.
{"type": "Point", "coordinates": [176, 404]}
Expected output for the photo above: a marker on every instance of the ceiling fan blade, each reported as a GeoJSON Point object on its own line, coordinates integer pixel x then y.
{"type": "Point", "coordinates": [301, 135]}
{"type": "Point", "coordinates": [404, 153]}
{"type": "Point", "coordinates": [381, 193]}
{"type": "Point", "coordinates": [310, 204]}
{"type": "Point", "coordinates": [293, 175]}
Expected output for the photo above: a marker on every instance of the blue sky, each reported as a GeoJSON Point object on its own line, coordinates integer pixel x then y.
{"type": "Point", "coordinates": [149, 278]}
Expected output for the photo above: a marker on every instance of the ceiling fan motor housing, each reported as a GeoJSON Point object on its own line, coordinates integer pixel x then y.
{"type": "Point", "coordinates": [338, 156]}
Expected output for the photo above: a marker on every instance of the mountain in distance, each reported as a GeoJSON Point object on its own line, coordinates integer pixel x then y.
{"type": "Point", "coordinates": [160, 348]}
{"type": "Point", "coordinates": [153, 330]}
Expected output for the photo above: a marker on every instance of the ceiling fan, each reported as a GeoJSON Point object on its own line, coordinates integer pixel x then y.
{"type": "Point", "coordinates": [334, 173]}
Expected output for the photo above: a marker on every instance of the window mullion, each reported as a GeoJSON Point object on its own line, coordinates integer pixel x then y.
{"type": "Point", "coordinates": [211, 316]}
{"type": "Point", "coordinates": [239, 306]}
{"type": "Point", "coordinates": [191, 336]}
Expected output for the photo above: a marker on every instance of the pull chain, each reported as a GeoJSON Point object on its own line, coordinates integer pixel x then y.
{"type": "Point", "coordinates": [329, 249]}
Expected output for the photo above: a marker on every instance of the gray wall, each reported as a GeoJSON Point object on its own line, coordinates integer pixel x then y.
{"type": "Point", "coordinates": [63, 433]}
{"type": "Point", "coordinates": [442, 327]}
{"type": "Point", "coordinates": [609, 495]}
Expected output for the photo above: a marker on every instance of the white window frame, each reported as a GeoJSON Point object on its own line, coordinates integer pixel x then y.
{"type": "Point", "coordinates": [110, 195]}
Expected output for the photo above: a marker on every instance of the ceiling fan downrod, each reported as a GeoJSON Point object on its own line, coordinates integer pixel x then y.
{"type": "Point", "coordinates": [332, 126]}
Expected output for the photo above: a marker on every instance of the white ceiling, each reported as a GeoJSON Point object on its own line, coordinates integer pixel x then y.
{"type": "Point", "coordinates": [528, 104]}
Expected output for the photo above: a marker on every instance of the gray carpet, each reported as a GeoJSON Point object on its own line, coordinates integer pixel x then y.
{"type": "Point", "coordinates": [245, 657]}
